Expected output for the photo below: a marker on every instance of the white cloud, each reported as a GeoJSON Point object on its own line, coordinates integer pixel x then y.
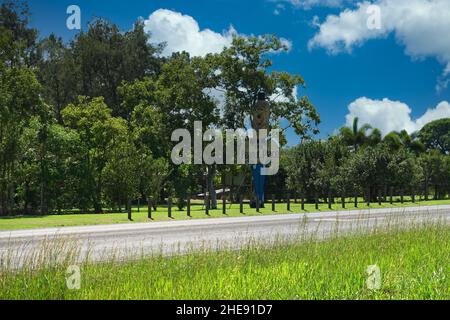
{"type": "Point", "coordinates": [182, 33]}
{"type": "Point", "coordinates": [422, 26]}
{"type": "Point", "coordinates": [278, 9]}
{"type": "Point", "coordinates": [388, 115]}
{"type": "Point", "coordinates": [278, 96]}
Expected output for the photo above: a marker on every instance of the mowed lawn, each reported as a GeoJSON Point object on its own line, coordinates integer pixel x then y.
{"type": "Point", "coordinates": [413, 264]}
{"type": "Point", "coordinates": [197, 212]}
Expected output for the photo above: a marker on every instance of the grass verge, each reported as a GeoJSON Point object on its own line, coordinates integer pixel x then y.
{"type": "Point", "coordinates": [414, 264]}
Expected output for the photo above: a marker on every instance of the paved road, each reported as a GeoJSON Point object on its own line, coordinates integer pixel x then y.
{"type": "Point", "coordinates": [128, 241]}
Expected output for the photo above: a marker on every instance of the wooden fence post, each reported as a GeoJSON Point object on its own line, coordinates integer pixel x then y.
{"type": "Point", "coordinates": [149, 208]}
{"type": "Point", "coordinates": [329, 199]}
{"type": "Point", "coordinates": [391, 195]}
{"type": "Point", "coordinates": [207, 204]}
{"type": "Point", "coordinates": [129, 210]}
{"type": "Point", "coordinates": [169, 206]}
{"type": "Point", "coordinates": [224, 195]}
{"type": "Point", "coordinates": [356, 199]}
{"type": "Point", "coordinates": [343, 199]}
{"type": "Point", "coordinates": [317, 201]}
{"type": "Point", "coordinates": [241, 204]}
{"type": "Point", "coordinates": [303, 202]}
{"type": "Point", "coordinates": [273, 203]}
{"type": "Point", "coordinates": [189, 206]}
{"type": "Point", "coordinates": [224, 202]}
{"type": "Point", "coordinates": [288, 202]}
{"type": "Point", "coordinates": [402, 200]}
{"type": "Point", "coordinates": [379, 197]}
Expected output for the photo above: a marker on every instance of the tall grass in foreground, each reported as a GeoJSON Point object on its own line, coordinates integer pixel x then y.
{"type": "Point", "coordinates": [414, 265]}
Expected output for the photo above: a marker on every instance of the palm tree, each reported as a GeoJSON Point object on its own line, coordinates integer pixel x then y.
{"type": "Point", "coordinates": [374, 138]}
{"type": "Point", "coordinates": [356, 136]}
{"type": "Point", "coordinates": [396, 140]}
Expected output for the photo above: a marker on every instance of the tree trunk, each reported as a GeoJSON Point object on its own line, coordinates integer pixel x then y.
{"type": "Point", "coordinates": [11, 199]}
{"type": "Point", "coordinates": [42, 200]}
{"type": "Point", "coordinates": [1, 202]}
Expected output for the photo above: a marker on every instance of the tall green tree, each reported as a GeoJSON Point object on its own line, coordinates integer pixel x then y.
{"type": "Point", "coordinates": [436, 135]}
{"type": "Point", "coordinates": [121, 182]}
{"type": "Point", "coordinates": [436, 172]}
{"type": "Point", "coordinates": [20, 101]}
{"type": "Point", "coordinates": [356, 136]}
{"type": "Point", "coordinates": [58, 73]}
{"type": "Point", "coordinates": [100, 134]}
{"type": "Point", "coordinates": [153, 174]}
{"type": "Point", "coordinates": [18, 41]}
{"type": "Point", "coordinates": [244, 70]}
{"type": "Point", "coordinates": [397, 140]}
{"type": "Point", "coordinates": [105, 57]}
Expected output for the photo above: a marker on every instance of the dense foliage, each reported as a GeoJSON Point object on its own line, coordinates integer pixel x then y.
{"type": "Point", "coordinates": [361, 161]}
{"type": "Point", "coordinates": [87, 124]}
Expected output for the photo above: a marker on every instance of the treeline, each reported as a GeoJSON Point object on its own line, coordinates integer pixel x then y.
{"type": "Point", "coordinates": [360, 161]}
{"type": "Point", "coordinates": [86, 124]}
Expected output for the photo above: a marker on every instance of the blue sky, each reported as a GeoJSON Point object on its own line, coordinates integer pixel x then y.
{"type": "Point", "coordinates": [387, 73]}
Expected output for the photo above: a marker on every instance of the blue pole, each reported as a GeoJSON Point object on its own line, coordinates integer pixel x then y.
{"type": "Point", "coordinates": [259, 181]}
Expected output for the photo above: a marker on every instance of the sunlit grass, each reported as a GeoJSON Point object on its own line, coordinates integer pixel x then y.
{"type": "Point", "coordinates": [414, 265]}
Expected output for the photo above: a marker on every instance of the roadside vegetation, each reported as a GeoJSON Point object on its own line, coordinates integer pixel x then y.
{"type": "Point", "coordinates": [413, 264]}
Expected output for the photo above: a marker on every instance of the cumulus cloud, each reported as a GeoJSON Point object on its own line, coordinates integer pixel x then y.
{"type": "Point", "coordinates": [421, 26]}
{"type": "Point", "coordinates": [182, 33]}
{"type": "Point", "coordinates": [388, 115]}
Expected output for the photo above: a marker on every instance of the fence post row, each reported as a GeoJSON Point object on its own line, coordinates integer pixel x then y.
{"type": "Point", "coordinates": [385, 194]}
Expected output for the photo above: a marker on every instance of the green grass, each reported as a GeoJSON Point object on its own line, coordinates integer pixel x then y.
{"type": "Point", "coordinates": [414, 265]}
{"type": "Point", "coordinates": [31, 222]}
